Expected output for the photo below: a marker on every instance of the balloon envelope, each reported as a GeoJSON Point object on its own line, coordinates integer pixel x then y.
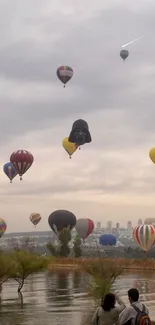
{"type": "Point", "coordinates": [80, 133]}
{"type": "Point", "coordinates": [60, 219]}
{"type": "Point", "coordinates": [22, 161]}
{"type": "Point", "coordinates": [84, 227]}
{"type": "Point", "coordinates": [10, 171]}
{"type": "Point", "coordinates": [152, 155]}
{"type": "Point", "coordinates": [69, 146]}
{"type": "Point", "coordinates": [124, 54]}
{"type": "Point", "coordinates": [107, 239]}
{"type": "Point", "coordinates": [3, 227]}
{"type": "Point", "coordinates": [64, 73]}
{"type": "Point", "coordinates": [144, 235]}
{"type": "Point", "coordinates": [35, 218]}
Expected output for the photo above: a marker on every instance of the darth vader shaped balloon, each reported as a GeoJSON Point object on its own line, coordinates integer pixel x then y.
{"type": "Point", "coordinates": [80, 133]}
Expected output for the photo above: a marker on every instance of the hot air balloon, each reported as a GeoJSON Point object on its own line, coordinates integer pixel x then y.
{"type": "Point", "coordinates": [124, 54]}
{"type": "Point", "coordinates": [152, 155]}
{"type": "Point", "coordinates": [10, 171]}
{"type": "Point", "coordinates": [107, 240]}
{"type": "Point", "coordinates": [144, 235]}
{"type": "Point", "coordinates": [3, 227]}
{"type": "Point", "coordinates": [69, 146]}
{"type": "Point", "coordinates": [64, 73]}
{"type": "Point", "coordinates": [84, 227]}
{"type": "Point", "coordinates": [60, 219]}
{"type": "Point", "coordinates": [22, 161]}
{"type": "Point", "coordinates": [150, 221]}
{"type": "Point", "coordinates": [80, 133]}
{"type": "Point", "coordinates": [35, 218]}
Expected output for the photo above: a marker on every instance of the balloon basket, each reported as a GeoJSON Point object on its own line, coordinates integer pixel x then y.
{"type": "Point", "coordinates": [21, 178]}
{"type": "Point", "coordinates": [64, 86]}
{"type": "Point", "coordinates": [79, 148]}
{"type": "Point", "coordinates": [70, 157]}
{"type": "Point", "coordinates": [10, 181]}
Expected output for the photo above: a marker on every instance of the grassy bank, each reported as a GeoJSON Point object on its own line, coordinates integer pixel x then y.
{"type": "Point", "coordinates": [80, 263]}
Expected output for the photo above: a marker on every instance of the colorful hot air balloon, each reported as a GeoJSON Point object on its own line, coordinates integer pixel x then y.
{"type": "Point", "coordinates": [22, 161]}
{"type": "Point", "coordinates": [69, 146]}
{"type": "Point", "coordinates": [3, 227]}
{"type": "Point", "coordinates": [107, 240]}
{"type": "Point", "coordinates": [64, 73]}
{"type": "Point", "coordinates": [124, 54]}
{"type": "Point", "coordinates": [84, 227]}
{"type": "Point", "coordinates": [60, 219]}
{"type": "Point", "coordinates": [144, 235]}
{"type": "Point", "coordinates": [80, 133]}
{"type": "Point", "coordinates": [10, 171]}
{"type": "Point", "coordinates": [152, 155]}
{"type": "Point", "coordinates": [35, 218]}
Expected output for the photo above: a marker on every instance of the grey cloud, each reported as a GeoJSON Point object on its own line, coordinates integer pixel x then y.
{"type": "Point", "coordinates": [102, 83]}
{"type": "Point", "coordinates": [93, 49]}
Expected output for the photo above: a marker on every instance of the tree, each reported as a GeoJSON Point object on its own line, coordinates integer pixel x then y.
{"type": "Point", "coordinates": [24, 264]}
{"type": "Point", "coordinates": [103, 273]}
{"type": "Point", "coordinates": [52, 249]}
{"type": "Point", "coordinates": [64, 238]}
{"type": "Point", "coordinates": [6, 265]}
{"type": "Point", "coordinates": [77, 247]}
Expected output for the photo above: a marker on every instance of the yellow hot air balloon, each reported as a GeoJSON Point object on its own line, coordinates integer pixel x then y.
{"type": "Point", "coordinates": [35, 218]}
{"type": "Point", "coordinates": [69, 146]}
{"type": "Point", "coordinates": [152, 155]}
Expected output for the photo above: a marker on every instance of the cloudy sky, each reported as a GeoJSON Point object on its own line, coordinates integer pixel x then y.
{"type": "Point", "coordinates": [112, 178]}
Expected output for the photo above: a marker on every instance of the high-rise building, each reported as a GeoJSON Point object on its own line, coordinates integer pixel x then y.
{"type": "Point", "coordinates": [109, 225]}
{"type": "Point", "coordinates": [140, 222]}
{"type": "Point", "coordinates": [129, 225]}
{"type": "Point", "coordinates": [98, 226]}
{"type": "Point", "coordinates": [117, 225]}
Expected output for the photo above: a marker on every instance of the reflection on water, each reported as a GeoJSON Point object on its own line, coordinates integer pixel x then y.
{"type": "Point", "coordinates": [61, 296]}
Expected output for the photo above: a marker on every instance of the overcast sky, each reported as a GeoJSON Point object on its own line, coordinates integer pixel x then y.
{"type": "Point", "coordinates": [112, 178]}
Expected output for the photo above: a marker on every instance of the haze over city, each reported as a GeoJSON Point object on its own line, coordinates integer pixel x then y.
{"type": "Point", "coordinates": [112, 178]}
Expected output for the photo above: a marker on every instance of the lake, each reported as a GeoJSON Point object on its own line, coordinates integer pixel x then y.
{"type": "Point", "coordinates": [61, 298]}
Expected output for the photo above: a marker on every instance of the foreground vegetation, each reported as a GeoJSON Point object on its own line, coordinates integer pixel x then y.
{"type": "Point", "coordinates": [18, 265]}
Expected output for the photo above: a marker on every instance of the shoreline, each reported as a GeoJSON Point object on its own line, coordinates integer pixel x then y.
{"type": "Point", "coordinates": [79, 264]}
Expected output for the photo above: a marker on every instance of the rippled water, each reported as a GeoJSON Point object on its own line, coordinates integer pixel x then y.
{"type": "Point", "coordinates": [61, 298]}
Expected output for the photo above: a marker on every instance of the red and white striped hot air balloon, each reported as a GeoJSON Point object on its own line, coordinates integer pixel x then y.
{"type": "Point", "coordinates": [84, 227]}
{"type": "Point", "coordinates": [144, 235]}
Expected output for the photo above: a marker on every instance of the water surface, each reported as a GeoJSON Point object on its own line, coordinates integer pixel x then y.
{"type": "Point", "coordinates": [61, 298]}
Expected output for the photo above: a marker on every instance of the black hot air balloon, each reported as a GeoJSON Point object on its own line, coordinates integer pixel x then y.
{"type": "Point", "coordinates": [80, 133]}
{"type": "Point", "coordinates": [124, 54]}
{"type": "Point", "coordinates": [60, 219]}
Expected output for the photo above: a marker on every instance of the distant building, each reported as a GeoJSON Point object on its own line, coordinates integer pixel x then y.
{"type": "Point", "coordinates": [140, 222]}
{"type": "Point", "coordinates": [98, 226]}
{"type": "Point", "coordinates": [129, 225]}
{"type": "Point", "coordinates": [109, 225]}
{"type": "Point", "coordinates": [117, 225]}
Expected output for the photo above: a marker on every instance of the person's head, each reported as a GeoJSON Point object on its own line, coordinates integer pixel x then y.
{"type": "Point", "coordinates": [133, 295]}
{"type": "Point", "coordinates": [108, 302]}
